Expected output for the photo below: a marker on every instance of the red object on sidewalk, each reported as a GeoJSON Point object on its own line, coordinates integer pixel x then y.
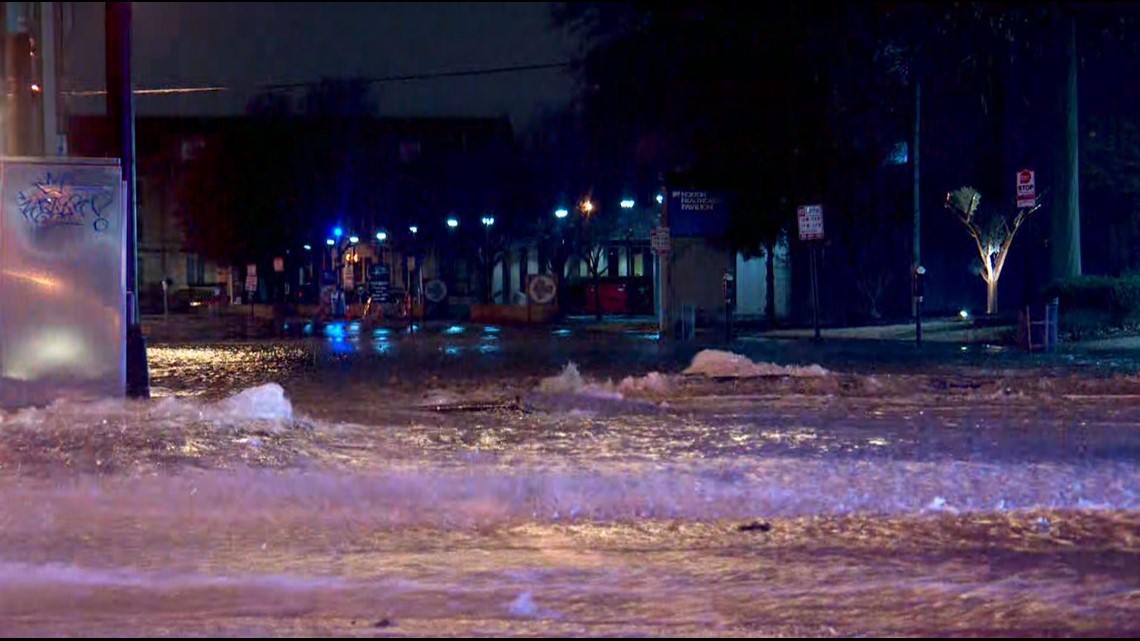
{"type": "Point", "coordinates": [615, 298]}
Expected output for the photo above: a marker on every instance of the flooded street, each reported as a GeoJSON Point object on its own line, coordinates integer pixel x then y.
{"type": "Point", "coordinates": [467, 482]}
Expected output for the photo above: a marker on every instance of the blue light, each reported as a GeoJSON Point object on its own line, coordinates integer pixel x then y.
{"type": "Point", "coordinates": [627, 203]}
{"type": "Point", "coordinates": [338, 232]}
{"type": "Point", "coordinates": [660, 199]}
{"type": "Point", "coordinates": [330, 242]}
{"type": "Point", "coordinates": [561, 212]}
{"type": "Point", "coordinates": [381, 236]}
{"type": "Point", "coordinates": [452, 222]}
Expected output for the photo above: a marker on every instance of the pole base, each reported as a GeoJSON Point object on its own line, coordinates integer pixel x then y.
{"type": "Point", "coordinates": [138, 371]}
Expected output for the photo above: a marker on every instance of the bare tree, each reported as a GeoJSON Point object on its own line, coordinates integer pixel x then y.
{"type": "Point", "coordinates": [993, 235]}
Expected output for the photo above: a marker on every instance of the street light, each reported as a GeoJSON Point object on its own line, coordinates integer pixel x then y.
{"type": "Point", "coordinates": [627, 203]}
{"type": "Point", "coordinates": [353, 239]}
{"type": "Point", "coordinates": [330, 242]}
{"type": "Point", "coordinates": [587, 206]}
{"type": "Point", "coordinates": [488, 221]}
{"type": "Point", "coordinates": [381, 236]}
{"type": "Point", "coordinates": [561, 212]}
{"type": "Point", "coordinates": [308, 247]}
{"type": "Point", "coordinates": [414, 229]}
{"type": "Point", "coordinates": [337, 231]}
{"type": "Point", "coordinates": [660, 198]}
{"type": "Point", "coordinates": [452, 222]}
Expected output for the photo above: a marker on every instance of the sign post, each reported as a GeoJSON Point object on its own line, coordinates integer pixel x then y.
{"type": "Point", "coordinates": [1026, 189]}
{"type": "Point", "coordinates": [918, 286]}
{"type": "Point", "coordinates": [810, 219]}
{"type": "Point", "coordinates": [729, 291]}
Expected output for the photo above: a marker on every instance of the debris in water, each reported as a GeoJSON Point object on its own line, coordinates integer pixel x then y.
{"type": "Point", "coordinates": [383, 623]}
{"type": "Point", "coordinates": [475, 406]}
{"type": "Point", "coordinates": [755, 526]}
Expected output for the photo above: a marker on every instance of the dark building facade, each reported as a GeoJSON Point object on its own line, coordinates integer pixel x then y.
{"type": "Point", "coordinates": [222, 193]}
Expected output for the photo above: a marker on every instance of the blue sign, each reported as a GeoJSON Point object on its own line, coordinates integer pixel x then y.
{"type": "Point", "coordinates": [694, 213]}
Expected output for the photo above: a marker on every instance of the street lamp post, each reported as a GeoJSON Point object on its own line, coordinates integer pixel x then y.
{"type": "Point", "coordinates": [419, 270]}
{"type": "Point", "coordinates": [489, 265]}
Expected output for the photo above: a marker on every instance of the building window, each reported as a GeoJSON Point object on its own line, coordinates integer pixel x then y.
{"type": "Point", "coordinates": [195, 270]}
{"type": "Point", "coordinates": [639, 264]}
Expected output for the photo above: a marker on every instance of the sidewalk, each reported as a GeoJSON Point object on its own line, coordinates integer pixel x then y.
{"type": "Point", "coordinates": [935, 330]}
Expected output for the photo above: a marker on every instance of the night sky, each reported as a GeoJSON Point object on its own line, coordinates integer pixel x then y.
{"type": "Point", "coordinates": [239, 45]}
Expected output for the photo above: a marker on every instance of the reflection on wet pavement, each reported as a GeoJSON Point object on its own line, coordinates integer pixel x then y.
{"type": "Point", "coordinates": [908, 500]}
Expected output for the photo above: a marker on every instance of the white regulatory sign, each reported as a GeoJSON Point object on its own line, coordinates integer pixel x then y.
{"type": "Point", "coordinates": [810, 219]}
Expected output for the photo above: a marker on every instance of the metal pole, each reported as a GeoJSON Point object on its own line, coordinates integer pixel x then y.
{"type": "Point", "coordinates": [53, 144]}
{"type": "Point", "coordinates": [663, 264]}
{"type": "Point", "coordinates": [917, 183]}
{"type": "Point", "coordinates": [121, 115]}
{"type": "Point", "coordinates": [814, 292]}
{"type": "Point", "coordinates": [917, 321]}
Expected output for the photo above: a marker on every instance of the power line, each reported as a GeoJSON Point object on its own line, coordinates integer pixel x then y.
{"type": "Point", "coordinates": [150, 92]}
{"type": "Point", "coordinates": [454, 73]}
{"type": "Point", "coordinates": [436, 74]}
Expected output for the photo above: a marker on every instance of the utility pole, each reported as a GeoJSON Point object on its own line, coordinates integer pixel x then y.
{"type": "Point", "coordinates": [917, 185]}
{"type": "Point", "coordinates": [121, 116]}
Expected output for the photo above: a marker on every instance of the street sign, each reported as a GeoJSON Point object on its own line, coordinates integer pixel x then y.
{"type": "Point", "coordinates": [380, 282]}
{"type": "Point", "coordinates": [435, 291]}
{"type": "Point", "coordinates": [541, 289]}
{"type": "Point", "coordinates": [810, 218]}
{"type": "Point", "coordinates": [1026, 189]}
{"type": "Point", "coordinates": [251, 283]}
{"type": "Point", "coordinates": [278, 264]}
{"type": "Point", "coordinates": [659, 240]}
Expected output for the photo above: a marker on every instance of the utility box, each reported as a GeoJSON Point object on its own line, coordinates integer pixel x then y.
{"type": "Point", "coordinates": [62, 280]}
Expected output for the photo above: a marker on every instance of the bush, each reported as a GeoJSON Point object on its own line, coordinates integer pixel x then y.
{"type": "Point", "coordinates": [1097, 304]}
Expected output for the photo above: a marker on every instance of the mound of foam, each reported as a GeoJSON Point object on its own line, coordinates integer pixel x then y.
{"type": "Point", "coordinates": [715, 363]}
{"type": "Point", "coordinates": [262, 403]}
{"type": "Point", "coordinates": [570, 381]}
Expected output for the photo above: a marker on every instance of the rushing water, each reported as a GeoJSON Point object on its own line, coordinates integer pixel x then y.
{"type": "Point", "coordinates": [404, 489]}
